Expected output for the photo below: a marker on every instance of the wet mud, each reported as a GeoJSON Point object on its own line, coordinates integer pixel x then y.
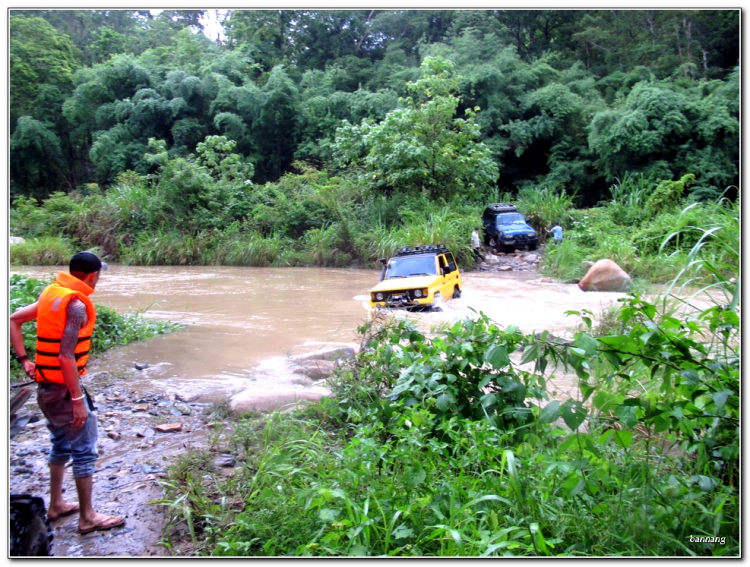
{"type": "Point", "coordinates": [133, 459]}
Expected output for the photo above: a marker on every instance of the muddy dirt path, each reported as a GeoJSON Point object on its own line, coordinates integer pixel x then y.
{"type": "Point", "coordinates": [133, 460]}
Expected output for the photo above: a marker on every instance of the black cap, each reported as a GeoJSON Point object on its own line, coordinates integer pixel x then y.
{"type": "Point", "coordinates": [87, 263]}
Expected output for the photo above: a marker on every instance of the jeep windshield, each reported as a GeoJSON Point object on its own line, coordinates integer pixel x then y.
{"type": "Point", "coordinates": [403, 267]}
{"type": "Point", "coordinates": [510, 218]}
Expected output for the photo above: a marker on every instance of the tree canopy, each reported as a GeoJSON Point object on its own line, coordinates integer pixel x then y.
{"type": "Point", "coordinates": [447, 102]}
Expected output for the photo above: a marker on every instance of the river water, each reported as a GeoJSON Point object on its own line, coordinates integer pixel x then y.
{"type": "Point", "coordinates": [243, 324]}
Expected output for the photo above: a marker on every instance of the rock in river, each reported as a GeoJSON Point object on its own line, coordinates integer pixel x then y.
{"type": "Point", "coordinates": [316, 369]}
{"type": "Point", "coordinates": [252, 400]}
{"type": "Point", "coordinates": [328, 354]}
{"type": "Point", "coordinates": [169, 427]}
{"type": "Point", "coordinates": [605, 275]}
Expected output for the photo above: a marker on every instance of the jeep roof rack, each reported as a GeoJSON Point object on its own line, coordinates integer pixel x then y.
{"type": "Point", "coordinates": [501, 208]}
{"type": "Point", "coordinates": [424, 249]}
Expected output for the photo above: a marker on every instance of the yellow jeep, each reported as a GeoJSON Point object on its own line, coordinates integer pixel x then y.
{"type": "Point", "coordinates": [417, 277]}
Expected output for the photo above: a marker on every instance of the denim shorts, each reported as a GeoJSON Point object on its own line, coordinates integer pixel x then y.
{"type": "Point", "coordinates": [80, 444]}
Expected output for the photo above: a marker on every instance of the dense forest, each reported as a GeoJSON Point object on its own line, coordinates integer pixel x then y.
{"type": "Point", "coordinates": [563, 98]}
{"type": "Point", "coordinates": [330, 137]}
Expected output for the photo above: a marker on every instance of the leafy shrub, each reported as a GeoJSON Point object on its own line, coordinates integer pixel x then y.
{"type": "Point", "coordinates": [667, 194]}
{"type": "Point", "coordinates": [50, 218]}
{"type": "Point", "coordinates": [467, 373]}
{"type": "Point", "coordinates": [544, 206]}
{"type": "Point", "coordinates": [42, 251]}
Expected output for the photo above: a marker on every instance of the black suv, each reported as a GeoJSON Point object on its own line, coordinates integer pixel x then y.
{"type": "Point", "coordinates": [505, 228]}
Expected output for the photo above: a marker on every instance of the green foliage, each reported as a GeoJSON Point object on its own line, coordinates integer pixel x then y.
{"type": "Point", "coordinates": [466, 374]}
{"type": "Point", "coordinates": [668, 193]}
{"type": "Point", "coordinates": [251, 249]}
{"type": "Point", "coordinates": [42, 251]}
{"type": "Point", "coordinates": [564, 261]}
{"type": "Point", "coordinates": [422, 147]}
{"type": "Point", "coordinates": [544, 206]}
{"type": "Point", "coordinates": [40, 58]}
{"type": "Point", "coordinates": [37, 166]}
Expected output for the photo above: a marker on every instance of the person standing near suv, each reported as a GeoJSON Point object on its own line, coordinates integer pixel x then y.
{"type": "Point", "coordinates": [557, 233]}
{"type": "Point", "coordinates": [476, 246]}
{"type": "Point", "coordinates": [65, 322]}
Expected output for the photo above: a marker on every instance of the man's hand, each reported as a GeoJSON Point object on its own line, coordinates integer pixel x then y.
{"type": "Point", "coordinates": [80, 414]}
{"type": "Point", "coordinates": [29, 368]}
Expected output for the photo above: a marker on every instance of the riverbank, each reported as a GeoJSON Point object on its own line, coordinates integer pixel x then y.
{"type": "Point", "coordinates": [134, 457]}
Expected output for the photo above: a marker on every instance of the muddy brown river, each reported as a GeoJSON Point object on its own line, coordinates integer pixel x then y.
{"type": "Point", "coordinates": [243, 324]}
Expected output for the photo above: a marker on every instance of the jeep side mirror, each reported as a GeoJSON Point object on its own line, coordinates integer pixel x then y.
{"type": "Point", "coordinates": [450, 268]}
{"type": "Point", "coordinates": [382, 261]}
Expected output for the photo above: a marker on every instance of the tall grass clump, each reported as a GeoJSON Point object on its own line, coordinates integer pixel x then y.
{"type": "Point", "coordinates": [379, 242]}
{"type": "Point", "coordinates": [564, 261]}
{"type": "Point", "coordinates": [629, 196]}
{"type": "Point", "coordinates": [714, 260]}
{"type": "Point", "coordinates": [251, 249]}
{"type": "Point", "coordinates": [325, 246]}
{"type": "Point", "coordinates": [439, 227]}
{"type": "Point", "coordinates": [42, 251]}
{"type": "Point", "coordinates": [543, 206]}
{"type": "Point", "coordinates": [169, 247]}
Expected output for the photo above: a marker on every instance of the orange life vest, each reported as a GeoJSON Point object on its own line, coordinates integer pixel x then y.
{"type": "Point", "coordinates": [50, 323]}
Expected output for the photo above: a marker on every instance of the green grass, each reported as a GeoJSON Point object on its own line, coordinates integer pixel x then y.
{"type": "Point", "coordinates": [42, 251]}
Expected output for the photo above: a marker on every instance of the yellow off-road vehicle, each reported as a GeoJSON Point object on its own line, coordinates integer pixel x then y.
{"type": "Point", "coordinates": [417, 278]}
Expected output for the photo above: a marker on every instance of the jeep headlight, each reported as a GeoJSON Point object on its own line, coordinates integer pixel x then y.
{"type": "Point", "coordinates": [417, 293]}
{"type": "Point", "coordinates": [379, 296]}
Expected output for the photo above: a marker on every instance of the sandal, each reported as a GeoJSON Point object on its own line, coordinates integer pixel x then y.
{"type": "Point", "coordinates": [108, 524]}
{"type": "Point", "coordinates": [72, 510]}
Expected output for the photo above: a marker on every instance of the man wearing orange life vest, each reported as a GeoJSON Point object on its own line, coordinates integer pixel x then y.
{"type": "Point", "coordinates": [65, 321]}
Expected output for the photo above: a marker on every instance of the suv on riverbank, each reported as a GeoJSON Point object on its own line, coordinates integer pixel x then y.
{"type": "Point", "coordinates": [505, 228]}
{"type": "Point", "coordinates": [417, 278]}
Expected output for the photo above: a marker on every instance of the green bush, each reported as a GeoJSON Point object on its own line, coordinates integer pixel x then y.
{"type": "Point", "coordinates": [423, 475]}
{"type": "Point", "coordinates": [466, 373]}
{"type": "Point", "coordinates": [544, 206]}
{"type": "Point", "coordinates": [564, 261]}
{"type": "Point", "coordinates": [42, 251]}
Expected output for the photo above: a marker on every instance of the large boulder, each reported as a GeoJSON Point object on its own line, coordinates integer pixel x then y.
{"type": "Point", "coordinates": [605, 275]}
